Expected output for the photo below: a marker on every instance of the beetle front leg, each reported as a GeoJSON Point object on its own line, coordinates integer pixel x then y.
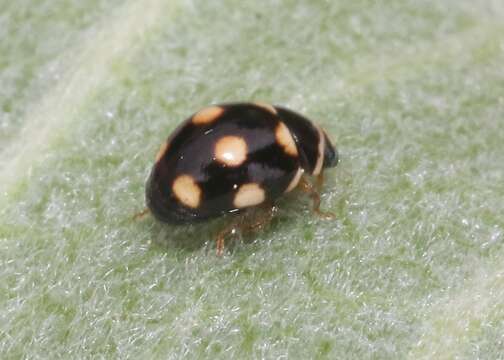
{"type": "Point", "coordinates": [313, 192]}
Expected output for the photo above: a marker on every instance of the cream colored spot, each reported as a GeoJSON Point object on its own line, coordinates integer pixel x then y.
{"type": "Point", "coordinates": [161, 151]}
{"type": "Point", "coordinates": [207, 115]}
{"type": "Point", "coordinates": [295, 180]}
{"type": "Point", "coordinates": [265, 106]}
{"type": "Point", "coordinates": [249, 195]}
{"type": "Point", "coordinates": [187, 191]}
{"type": "Point", "coordinates": [284, 138]}
{"type": "Point", "coordinates": [231, 150]}
{"type": "Point", "coordinates": [321, 150]}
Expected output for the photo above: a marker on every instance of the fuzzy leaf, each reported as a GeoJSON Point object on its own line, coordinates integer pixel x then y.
{"type": "Point", "coordinates": [412, 92]}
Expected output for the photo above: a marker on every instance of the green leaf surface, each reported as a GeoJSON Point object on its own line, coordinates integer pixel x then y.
{"type": "Point", "coordinates": [412, 92]}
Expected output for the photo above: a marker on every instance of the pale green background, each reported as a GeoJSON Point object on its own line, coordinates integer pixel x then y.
{"type": "Point", "coordinates": [412, 92]}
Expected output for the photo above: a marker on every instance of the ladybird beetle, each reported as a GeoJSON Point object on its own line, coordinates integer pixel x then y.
{"type": "Point", "coordinates": [234, 157]}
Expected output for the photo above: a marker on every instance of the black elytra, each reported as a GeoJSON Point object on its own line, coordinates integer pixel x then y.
{"type": "Point", "coordinates": [229, 157]}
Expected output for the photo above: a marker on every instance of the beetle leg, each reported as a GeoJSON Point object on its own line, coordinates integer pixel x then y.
{"type": "Point", "coordinates": [141, 214]}
{"type": "Point", "coordinates": [320, 181]}
{"type": "Point", "coordinates": [259, 219]}
{"type": "Point", "coordinates": [250, 222]}
{"type": "Point", "coordinates": [313, 192]}
{"type": "Point", "coordinates": [230, 229]}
